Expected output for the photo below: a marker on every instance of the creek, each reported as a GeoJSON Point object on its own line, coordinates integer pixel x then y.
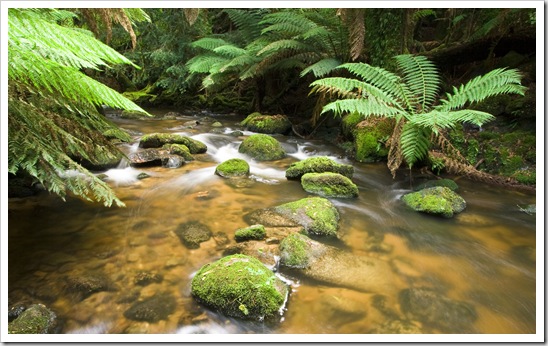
{"type": "Point", "coordinates": [485, 256]}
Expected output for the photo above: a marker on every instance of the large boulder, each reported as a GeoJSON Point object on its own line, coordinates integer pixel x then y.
{"type": "Point", "coordinates": [37, 319]}
{"type": "Point", "coordinates": [336, 267]}
{"type": "Point", "coordinates": [262, 147]}
{"type": "Point", "coordinates": [318, 164]}
{"type": "Point", "coordinates": [232, 168]}
{"type": "Point", "coordinates": [316, 214]}
{"type": "Point", "coordinates": [157, 140]}
{"type": "Point", "coordinates": [439, 200]}
{"type": "Point", "coordinates": [432, 308]}
{"type": "Point", "coordinates": [240, 286]}
{"type": "Point", "coordinates": [369, 136]}
{"type": "Point", "coordinates": [269, 124]}
{"type": "Point", "coordinates": [329, 185]}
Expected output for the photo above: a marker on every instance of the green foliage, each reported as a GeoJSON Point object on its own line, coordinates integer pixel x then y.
{"type": "Point", "coordinates": [52, 106]}
{"type": "Point", "coordinates": [411, 99]}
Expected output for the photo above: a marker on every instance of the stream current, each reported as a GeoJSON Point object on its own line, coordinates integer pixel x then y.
{"type": "Point", "coordinates": [485, 256]}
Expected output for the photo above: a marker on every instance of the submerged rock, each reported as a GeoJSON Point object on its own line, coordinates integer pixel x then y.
{"type": "Point", "coordinates": [157, 140]}
{"type": "Point", "coordinates": [152, 309]}
{"type": "Point", "coordinates": [232, 168]}
{"type": "Point", "coordinates": [329, 185]}
{"type": "Point", "coordinates": [262, 148]}
{"type": "Point", "coordinates": [239, 286]}
{"type": "Point", "coordinates": [37, 319]}
{"type": "Point", "coordinates": [316, 214]}
{"type": "Point", "coordinates": [254, 232]}
{"type": "Point", "coordinates": [430, 307]}
{"type": "Point", "coordinates": [86, 285]}
{"type": "Point", "coordinates": [319, 164]}
{"type": "Point", "coordinates": [193, 233]}
{"type": "Point", "coordinates": [269, 124]}
{"type": "Point", "coordinates": [435, 200]}
{"type": "Point", "coordinates": [333, 266]}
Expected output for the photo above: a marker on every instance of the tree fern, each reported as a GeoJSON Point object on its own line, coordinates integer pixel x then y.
{"type": "Point", "coordinates": [411, 98]}
{"type": "Point", "coordinates": [52, 106]}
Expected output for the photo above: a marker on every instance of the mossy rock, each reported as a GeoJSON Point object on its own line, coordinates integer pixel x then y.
{"type": "Point", "coordinates": [269, 124]}
{"type": "Point", "coordinates": [329, 185]}
{"type": "Point", "coordinates": [254, 232]}
{"type": "Point", "coordinates": [157, 140]}
{"type": "Point", "coordinates": [130, 114]}
{"type": "Point", "coordinates": [316, 214]}
{"type": "Point", "coordinates": [232, 168]}
{"type": "Point", "coordinates": [295, 251]}
{"type": "Point", "coordinates": [239, 286]}
{"type": "Point", "coordinates": [180, 150]}
{"type": "Point", "coordinates": [37, 319]}
{"type": "Point", "coordinates": [349, 122]}
{"type": "Point", "coordinates": [440, 182]}
{"type": "Point", "coordinates": [262, 147]}
{"type": "Point", "coordinates": [318, 164]}
{"type": "Point", "coordinates": [369, 138]}
{"type": "Point", "coordinates": [437, 200]}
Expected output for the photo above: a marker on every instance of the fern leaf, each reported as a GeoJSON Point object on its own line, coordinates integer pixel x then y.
{"type": "Point", "coordinates": [279, 45]}
{"type": "Point", "coordinates": [209, 43]}
{"type": "Point", "coordinates": [365, 107]}
{"type": "Point", "coordinates": [321, 67]}
{"type": "Point", "coordinates": [497, 82]}
{"type": "Point", "coordinates": [422, 79]}
{"type": "Point", "coordinates": [230, 51]}
{"type": "Point", "coordinates": [414, 143]}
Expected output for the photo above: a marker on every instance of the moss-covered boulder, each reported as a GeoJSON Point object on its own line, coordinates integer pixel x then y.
{"type": "Point", "coordinates": [254, 232]}
{"type": "Point", "coordinates": [239, 286]}
{"type": "Point", "coordinates": [180, 150]}
{"type": "Point", "coordinates": [329, 185]}
{"type": "Point", "coordinates": [262, 147]}
{"type": "Point", "coordinates": [157, 140]}
{"type": "Point", "coordinates": [440, 182]}
{"type": "Point", "coordinates": [193, 233]}
{"type": "Point", "coordinates": [232, 168]}
{"type": "Point", "coordinates": [435, 310]}
{"type": "Point", "coordinates": [437, 200]}
{"type": "Point", "coordinates": [269, 124]}
{"type": "Point", "coordinates": [369, 138]}
{"type": "Point", "coordinates": [37, 319]}
{"type": "Point", "coordinates": [316, 214]}
{"type": "Point", "coordinates": [318, 164]}
{"type": "Point", "coordinates": [295, 251]}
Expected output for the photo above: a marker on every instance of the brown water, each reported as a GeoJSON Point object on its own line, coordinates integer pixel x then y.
{"type": "Point", "coordinates": [485, 256]}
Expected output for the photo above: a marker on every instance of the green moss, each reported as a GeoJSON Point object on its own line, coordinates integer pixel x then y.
{"type": "Point", "coordinates": [317, 215]}
{"type": "Point", "coordinates": [440, 182]}
{"type": "Point", "coordinates": [180, 150]}
{"type": "Point", "coordinates": [294, 251]}
{"type": "Point", "coordinates": [239, 286]}
{"type": "Point", "coordinates": [437, 200]}
{"type": "Point", "coordinates": [37, 319]}
{"type": "Point", "coordinates": [329, 185]}
{"type": "Point", "coordinates": [255, 232]}
{"type": "Point", "coordinates": [262, 147]}
{"type": "Point", "coordinates": [526, 176]}
{"type": "Point", "coordinates": [250, 117]}
{"type": "Point", "coordinates": [233, 168]}
{"type": "Point", "coordinates": [157, 140]}
{"type": "Point", "coordinates": [317, 164]}
{"type": "Point", "coordinates": [349, 122]}
{"type": "Point", "coordinates": [267, 123]}
{"type": "Point", "coordinates": [369, 138]}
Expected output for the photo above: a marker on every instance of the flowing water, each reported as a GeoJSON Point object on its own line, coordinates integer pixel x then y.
{"type": "Point", "coordinates": [485, 256]}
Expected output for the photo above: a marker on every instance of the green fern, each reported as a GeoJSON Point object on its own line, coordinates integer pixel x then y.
{"type": "Point", "coordinates": [413, 100]}
{"type": "Point", "coordinates": [52, 106]}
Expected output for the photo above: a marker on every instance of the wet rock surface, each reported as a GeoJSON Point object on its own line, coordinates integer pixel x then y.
{"type": "Point", "coordinates": [36, 319]}
{"type": "Point", "coordinates": [152, 309]}
{"type": "Point", "coordinates": [193, 233]}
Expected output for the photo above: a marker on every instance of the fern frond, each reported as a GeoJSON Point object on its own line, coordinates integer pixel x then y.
{"type": "Point", "coordinates": [497, 82]}
{"type": "Point", "coordinates": [365, 107]}
{"type": "Point", "coordinates": [415, 142]}
{"type": "Point", "coordinates": [230, 51]}
{"type": "Point", "coordinates": [205, 63]}
{"type": "Point", "coordinates": [247, 21]}
{"type": "Point", "coordinates": [279, 45]}
{"type": "Point", "coordinates": [436, 121]}
{"type": "Point", "coordinates": [209, 43]}
{"type": "Point", "coordinates": [422, 79]}
{"type": "Point", "coordinates": [321, 67]}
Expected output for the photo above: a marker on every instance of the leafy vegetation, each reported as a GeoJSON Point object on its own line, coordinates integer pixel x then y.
{"type": "Point", "coordinates": [53, 106]}
{"type": "Point", "coordinates": [412, 99]}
